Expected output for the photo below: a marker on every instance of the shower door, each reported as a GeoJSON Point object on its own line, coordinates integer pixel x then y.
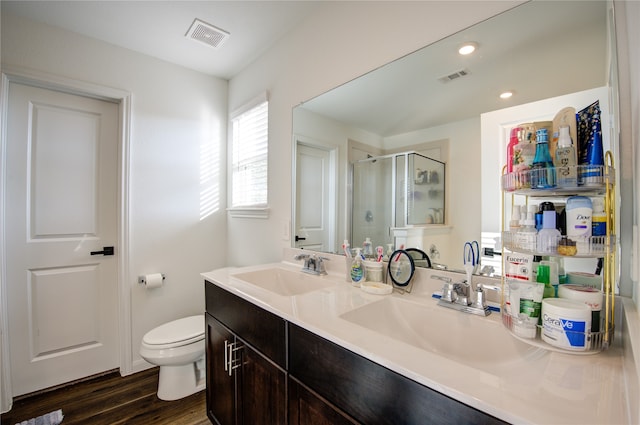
{"type": "Point", "coordinates": [372, 201]}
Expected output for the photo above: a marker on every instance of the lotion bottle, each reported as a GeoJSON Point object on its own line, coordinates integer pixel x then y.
{"type": "Point", "coordinates": [566, 160]}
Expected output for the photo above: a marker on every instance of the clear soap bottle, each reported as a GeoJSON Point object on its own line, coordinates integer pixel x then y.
{"type": "Point", "coordinates": [566, 160]}
{"type": "Point", "coordinates": [543, 173]}
{"type": "Point", "coordinates": [527, 236]}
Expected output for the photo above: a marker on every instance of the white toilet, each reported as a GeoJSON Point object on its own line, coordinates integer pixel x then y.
{"type": "Point", "coordinates": [178, 348]}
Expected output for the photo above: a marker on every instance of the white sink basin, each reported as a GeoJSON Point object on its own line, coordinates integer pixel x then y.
{"type": "Point", "coordinates": [481, 342]}
{"type": "Point", "coordinates": [284, 282]}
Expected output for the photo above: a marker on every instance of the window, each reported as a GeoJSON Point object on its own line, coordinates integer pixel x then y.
{"type": "Point", "coordinates": [249, 149]}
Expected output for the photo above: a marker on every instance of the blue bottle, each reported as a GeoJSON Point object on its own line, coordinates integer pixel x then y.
{"type": "Point", "coordinates": [543, 173]}
{"type": "Point", "coordinates": [593, 170]}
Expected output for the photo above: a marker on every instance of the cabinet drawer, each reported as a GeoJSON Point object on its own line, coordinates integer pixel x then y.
{"type": "Point", "coordinates": [368, 392]}
{"type": "Point", "coordinates": [263, 330]}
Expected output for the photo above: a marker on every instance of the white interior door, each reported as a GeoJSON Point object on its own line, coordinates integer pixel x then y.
{"type": "Point", "coordinates": [315, 198]}
{"type": "Point", "coordinates": [61, 205]}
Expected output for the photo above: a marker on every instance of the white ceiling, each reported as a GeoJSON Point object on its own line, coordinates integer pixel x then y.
{"type": "Point", "coordinates": [158, 28]}
{"type": "Point", "coordinates": [526, 49]}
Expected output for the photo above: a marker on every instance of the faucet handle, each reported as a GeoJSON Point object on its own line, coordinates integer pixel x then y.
{"type": "Point", "coordinates": [480, 301]}
{"type": "Point", "coordinates": [448, 294]}
{"type": "Point", "coordinates": [301, 257]}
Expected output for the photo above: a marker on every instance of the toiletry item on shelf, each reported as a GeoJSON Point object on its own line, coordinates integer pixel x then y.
{"type": "Point", "coordinates": [523, 154]}
{"type": "Point", "coordinates": [544, 206]}
{"type": "Point", "coordinates": [514, 223]}
{"type": "Point", "coordinates": [513, 141]}
{"type": "Point", "coordinates": [527, 236]}
{"type": "Point", "coordinates": [590, 149]}
{"type": "Point", "coordinates": [565, 117]}
{"type": "Point", "coordinates": [588, 295]}
{"type": "Point", "coordinates": [552, 280]}
{"type": "Point", "coordinates": [543, 175]}
{"type": "Point", "coordinates": [357, 268]}
{"type": "Point", "coordinates": [543, 276]}
{"type": "Point", "coordinates": [367, 248]}
{"type": "Point", "coordinates": [579, 211]}
{"type": "Point", "coordinates": [519, 266]}
{"type": "Point", "coordinates": [598, 218]}
{"type": "Point", "coordinates": [566, 160]}
{"type": "Point", "coordinates": [548, 236]}
{"type": "Point", "coordinates": [593, 171]}
{"type": "Point", "coordinates": [565, 323]}
{"type": "Point", "coordinates": [529, 308]}
{"type": "Point", "coordinates": [567, 247]}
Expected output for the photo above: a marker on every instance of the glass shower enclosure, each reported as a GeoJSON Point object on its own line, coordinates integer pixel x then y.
{"type": "Point", "coordinates": [395, 191]}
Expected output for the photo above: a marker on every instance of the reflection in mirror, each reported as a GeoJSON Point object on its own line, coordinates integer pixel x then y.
{"type": "Point", "coordinates": [431, 102]}
{"type": "Point", "coordinates": [393, 192]}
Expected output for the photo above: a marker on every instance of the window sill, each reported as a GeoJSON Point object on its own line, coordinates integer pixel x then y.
{"type": "Point", "coordinates": [249, 212]}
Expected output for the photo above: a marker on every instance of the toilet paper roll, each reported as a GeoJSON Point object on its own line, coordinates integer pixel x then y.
{"type": "Point", "coordinates": [153, 280]}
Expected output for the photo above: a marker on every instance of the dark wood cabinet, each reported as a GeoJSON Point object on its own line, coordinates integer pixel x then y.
{"type": "Point", "coordinates": [221, 393]}
{"type": "Point", "coordinates": [308, 408]}
{"type": "Point", "coordinates": [263, 370]}
{"type": "Point", "coordinates": [368, 392]}
{"type": "Point", "coordinates": [244, 386]}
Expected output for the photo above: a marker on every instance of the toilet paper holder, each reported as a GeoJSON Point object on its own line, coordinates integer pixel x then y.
{"type": "Point", "coordinates": [142, 279]}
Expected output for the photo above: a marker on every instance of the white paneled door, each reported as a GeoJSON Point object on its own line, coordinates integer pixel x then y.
{"type": "Point", "coordinates": [315, 198]}
{"type": "Point", "coordinates": [61, 213]}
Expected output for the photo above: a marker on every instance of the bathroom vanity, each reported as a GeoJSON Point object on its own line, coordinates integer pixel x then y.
{"type": "Point", "coordinates": [285, 347]}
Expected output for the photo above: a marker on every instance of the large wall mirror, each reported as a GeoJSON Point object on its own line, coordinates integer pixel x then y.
{"type": "Point", "coordinates": [431, 102]}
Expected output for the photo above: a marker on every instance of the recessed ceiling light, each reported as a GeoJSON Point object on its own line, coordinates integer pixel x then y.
{"type": "Point", "coordinates": [506, 95]}
{"type": "Point", "coordinates": [468, 48]}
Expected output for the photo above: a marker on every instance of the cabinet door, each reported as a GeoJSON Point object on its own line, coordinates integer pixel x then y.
{"type": "Point", "coordinates": [262, 390]}
{"type": "Point", "coordinates": [308, 408]}
{"type": "Point", "coordinates": [221, 398]}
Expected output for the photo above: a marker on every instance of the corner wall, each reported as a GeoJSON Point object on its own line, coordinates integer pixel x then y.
{"type": "Point", "coordinates": [178, 133]}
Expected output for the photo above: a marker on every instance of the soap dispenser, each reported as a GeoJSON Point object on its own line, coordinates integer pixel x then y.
{"type": "Point", "coordinates": [357, 268]}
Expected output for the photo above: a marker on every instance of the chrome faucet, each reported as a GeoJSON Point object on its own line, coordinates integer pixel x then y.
{"type": "Point", "coordinates": [313, 263]}
{"type": "Point", "coordinates": [458, 296]}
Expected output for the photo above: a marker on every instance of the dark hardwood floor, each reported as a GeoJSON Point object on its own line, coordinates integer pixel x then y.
{"type": "Point", "coordinates": [109, 400]}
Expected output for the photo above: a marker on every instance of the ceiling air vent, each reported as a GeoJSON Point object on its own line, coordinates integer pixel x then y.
{"type": "Point", "coordinates": [454, 76]}
{"type": "Point", "coordinates": [206, 33]}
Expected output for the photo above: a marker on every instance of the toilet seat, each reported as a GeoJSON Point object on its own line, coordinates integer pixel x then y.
{"type": "Point", "coordinates": [177, 333]}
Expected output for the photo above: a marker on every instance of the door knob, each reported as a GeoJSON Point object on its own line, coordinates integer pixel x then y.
{"type": "Point", "coordinates": [298, 238]}
{"type": "Point", "coordinates": [106, 250]}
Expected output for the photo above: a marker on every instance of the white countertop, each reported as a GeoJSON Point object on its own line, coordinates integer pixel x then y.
{"type": "Point", "coordinates": [544, 387]}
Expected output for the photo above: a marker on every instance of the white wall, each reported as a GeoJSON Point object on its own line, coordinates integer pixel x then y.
{"type": "Point", "coordinates": [176, 114]}
{"type": "Point", "coordinates": [338, 43]}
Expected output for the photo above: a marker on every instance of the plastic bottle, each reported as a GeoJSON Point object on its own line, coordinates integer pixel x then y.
{"type": "Point", "coordinates": [579, 211]}
{"type": "Point", "coordinates": [566, 160]}
{"type": "Point", "coordinates": [527, 235]}
{"type": "Point", "coordinates": [598, 218]}
{"type": "Point", "coordinates": [544, 206]}
{"type": "Point", "coordinates": [543, 174]}
{"type": "Point", "coordinates": [357, 268]}
{"type": "Point", "coordinates": [548, 236]}
{"type": "Point", "coordinates": [592, 171]}
{"type": "Point", "coordinates": [544, 276]}
{"type": "Point", "coordinates": [367, 248]}
{"type": "Point", "coordinates": [514, 223]}
{"type": "Point", "coordinates": [523, 154]}
{"type": "Point", "coordinates": [513, 141]}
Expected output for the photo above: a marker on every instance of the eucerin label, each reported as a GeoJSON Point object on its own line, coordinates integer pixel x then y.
{"type": "Point", "coordinates": [519, 266]}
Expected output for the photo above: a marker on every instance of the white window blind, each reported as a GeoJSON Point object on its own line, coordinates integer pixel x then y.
{"type": "Point", "coordinates": [249, 157]}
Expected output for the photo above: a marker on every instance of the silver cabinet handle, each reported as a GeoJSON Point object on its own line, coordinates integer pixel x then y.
{"type": "Point", "coordinates": [230, 362]}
